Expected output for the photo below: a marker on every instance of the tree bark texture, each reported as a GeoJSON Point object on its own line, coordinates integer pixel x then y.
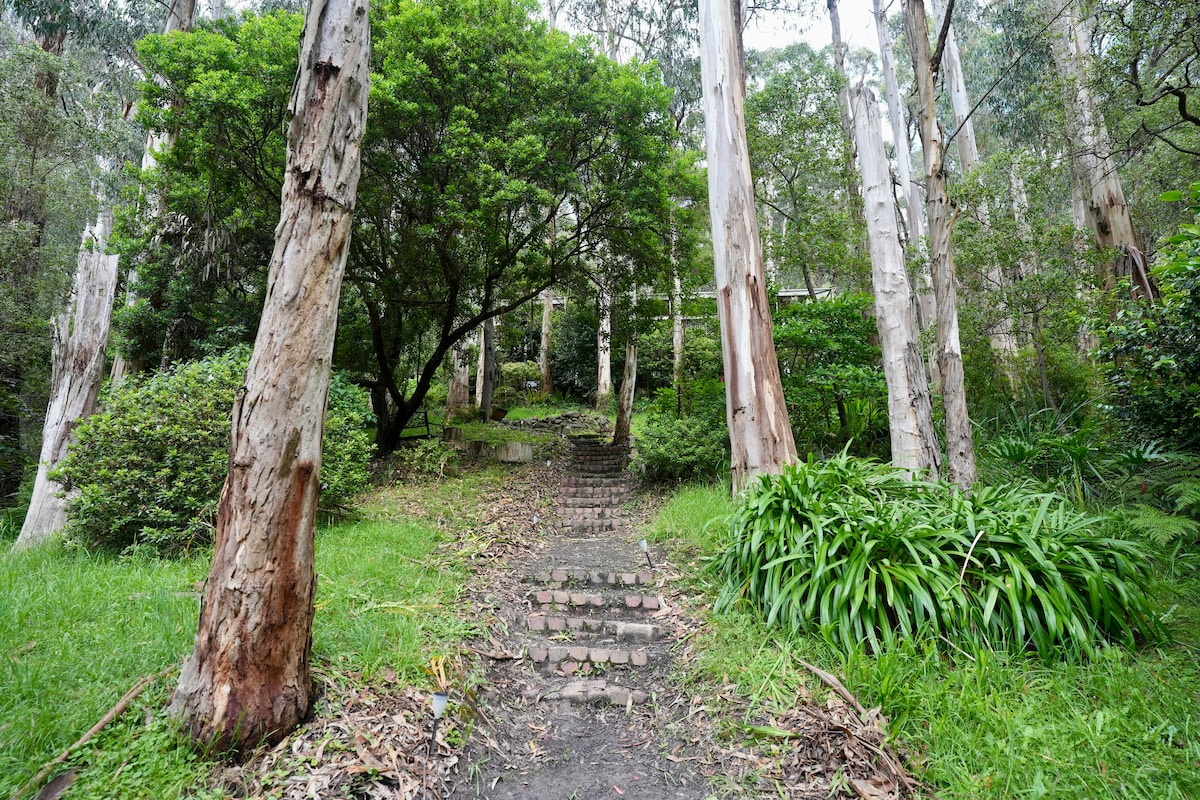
{"type": "Point", "coordinates": [624, 418]}
{"type": "Point", "coordinates": [80, 336]}
{"type": "Point", "coordinates": [247, 679]}
{"type": "Point", "coordinates": [960, 448]}
{"type": "Point", "coordinates": [604, 350]}
{"type": "Point", "coordinates": [459, 393]}
{"type": "Point", "coordinates": [759, 429]}
{"type": "Point", "coordinates": [489, 369]}
{"type": "Point", "coordinates": [1092, 167]}
{"type": "Point", "coordinates": [914, 439]}
{"type": "Point", "coordinates": [544, 360]}
{"type": "Point", "coordinates": [677, 333]}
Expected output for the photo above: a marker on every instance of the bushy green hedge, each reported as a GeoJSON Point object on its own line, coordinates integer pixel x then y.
{"type": "Point", "coordinates": [856, 551]}
{"type": "Point", "coordinates": [674, 447]}
{"type": "Point", "coordinates": [149, 467]}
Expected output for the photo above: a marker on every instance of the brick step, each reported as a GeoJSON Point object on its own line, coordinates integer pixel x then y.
{"type": "Point", "coordinates": [560, 577]}
{"type": "Point", "coordinates": [589, 512]}
{"type": "Point", "coordinates": [587, 527]}
{"type": "Point", "coordinates": [595, 480]}
{"type": "Point", "coordinates": [597, 692]}
{"type": "Point", "coordinates": [593, 602]}
{"type": "Point", "coordinates": [594, 627]}
{"type": "Point", "coordinates": [603, 500]}
{"type": "Point", "coordinates": [555, 659]}
{"type": "Point", "coordinates": [602, 488]}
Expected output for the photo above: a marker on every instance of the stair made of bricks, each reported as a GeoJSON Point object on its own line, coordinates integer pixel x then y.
{"type": "Point", "coordinates": [590, 633]}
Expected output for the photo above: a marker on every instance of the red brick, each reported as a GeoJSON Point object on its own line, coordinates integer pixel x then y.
{"type": "Point", "coordinates": [618, 656]}
{"type": "Point", "coordinates": [645, 578]}
{"type": "Point", "coordinates": [559, 575]}
{"type": "Point", "coordinates": [537, 622]}
{"type": "Point", "coordinates": [597, 600]}
{"type": "Point", "coordinates": [579, 653]}
{"type": "Point", "coordinates": [545, 597]}
{"type": "Point", "coordinates": [598, 655]}
{"type": "Point", "coordinates": [538, 654]}
{"type": "Point", "coordinates": [633, 601]}
{"type": "Point", "coordinates": [650, 603]}
{"type": "Point", "coordinates": [638, 658]}
{"type": "Point", "coordinates": [556, 623]}
{"type": "Point", "coordinates": [568, 667]}
{"type": "Point", "coordinates": [561, 596]}
{"type": "Point", "coordinates": [628, 578]}
{"type": "Point", "coordinates": [579, 599]}
{"type": "Point", "coordinates": [542, 577]}
{"type": "Point", "coordinates": [557, 654]}
{"type": "Point", "coordinates": [575, 623]}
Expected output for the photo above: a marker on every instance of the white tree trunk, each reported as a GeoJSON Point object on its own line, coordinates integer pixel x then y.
{"type": "Point", "coordinates": [960, 448]}
{"type": "Point", "coordinates": [459, 392]}
{"type": "Point", "coordinates": [914, 440]}
{"type": "Point", "coordinates": [544, 360]}
{"type": "Point", "coordinates": [481, 364]}
{"type": "Point", "coordinates": [621, 426]}
{"type": "Point", "coordinates": [604, 351]}
{"type": "Point", "coordinates": [247, 680]}
{"type": "Point", "coordinates": [489, 368]}
{"type": "Point", "coordinates": [676, 332]}
{"type": "Point", "coordinates": [1092, 166]}
{"type": "Point", "coordinates": [80, 338]}
{"type": "Point", "coordinates": [759, 429]}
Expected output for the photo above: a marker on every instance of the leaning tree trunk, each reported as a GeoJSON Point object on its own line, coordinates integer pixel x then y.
{"type": "Point", "coordinates": [914, 439]}
{"type": "Point", "coordinates": [488, 368]}
{"type": "Point", "coordinates": [960, 448]}
{"type": "Point", "coordinates": [248, 679]}
{"type": "Point", "coordinates": [628, 384]}
{"type": "Point", "coordinates": [180, 16]}
{"type": "Point", "coordinates": [1092, 166]}
{"type": "Point", "coordinates": [80, 339]}
{"type": "Point", "coordinates": [759, 430]}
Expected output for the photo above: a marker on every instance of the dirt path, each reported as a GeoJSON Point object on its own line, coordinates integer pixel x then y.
{"type": "Point", "coordinates": [584, 708]}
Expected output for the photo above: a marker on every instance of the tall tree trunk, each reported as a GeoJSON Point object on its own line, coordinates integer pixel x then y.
{"type": "Point", "coordinates": [180, 16]}
{"type": "Point", "coordinates": [604, 350]}
{"type": "Point", "coordinates": [960, 448]}
{"type": "Point", "coordinates": [628, 385]}
{"type": "Point", "coordinates": [1092, 166]}
{"type": "Point", "coordinates": [1002, 339]}
{"type": "Point", "coordinates": [480, 363]}
{"type": "Point", "coordinates": [849, 170]}
{"type": "Point", "coordinates": [80, 338]}
{"type": "Point", "coordinates": [677, 333]}
{"type": "Point", "coordinates": [759, 430]}
{"type": "Point", "coordinates": [914, 439]}
{"type": "Point", "coordinates": [488, 368]}
{"type": "Point", "coordinates": [459, 393]}
{"type": "Point", "coordinates": [544, 360]}
{"type": "Point", "coordinates": [248, 677]}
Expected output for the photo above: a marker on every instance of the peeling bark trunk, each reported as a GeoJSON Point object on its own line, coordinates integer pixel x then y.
{"type": "Point", "coordinates": [544, 361]}
{"type": "Point", "coordinates": [914, 439]}
{"type": "Point", "coordinates": [488, 368]}
{"type": "Point", "coordinates": [80, 336]}
{"type": "Point", "coordinates": [925, 298]}
{"type": "Point", "coordinates": [960, 448]}
{"type": "Point", "coordinates": [604, 351]}
{"type": "Point", "coordinates": [247, 679]}
{"type": "Point", "coordinates": [459, 393]}
{"type": "Point", "coordinates": [759, 429]}
{"type": "Point", "coordinates": [1092, 167]}
{"type": "Point", "coordinates": [677, 333]}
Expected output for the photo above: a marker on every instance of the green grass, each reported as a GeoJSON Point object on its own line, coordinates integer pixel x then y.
{"type": "Point", "coordinates": [1125, 724]}
{"type": "Point", "coordinates": [78, 629]}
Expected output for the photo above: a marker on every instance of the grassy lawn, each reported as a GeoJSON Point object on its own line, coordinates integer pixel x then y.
{"type": "Point", "coordinates": [1125, 725]}
{"type": "Point", "coordinates": [78, 629]}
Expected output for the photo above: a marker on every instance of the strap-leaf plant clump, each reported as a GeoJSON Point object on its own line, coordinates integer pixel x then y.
{"type": "Point", "coordinates": [858, 552]}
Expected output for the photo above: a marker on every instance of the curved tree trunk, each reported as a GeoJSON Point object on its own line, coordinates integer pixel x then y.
{"type": "Point", "coordinates": [914, 439]}
{"type": "Point", "coordinates": [960, 448]}
{"type": "Point", "coordinates": [544, 361]}
{"type": "Point", "coordinates": [759, 429]}
{"type": "Point", "coordinates": [80, 339]}
{"type": "Point", "coordinates": [247, 679]}
{"type": "Point", "coordinates": [604, 351]}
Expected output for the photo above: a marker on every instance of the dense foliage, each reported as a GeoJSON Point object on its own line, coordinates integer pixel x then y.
{"type": "Point", "coordinates": [861, 554]}
{"type": "Point", "coordinates": [1152, 351]}
{"type": "Point", "coordinates": [148, 469]}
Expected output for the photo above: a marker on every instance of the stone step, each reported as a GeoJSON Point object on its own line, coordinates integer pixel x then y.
{"type": "Point", "coordinates": [587, 527]}
{"type": "Point", "coordinates": [594, 627]}
{"type": "Point", "coordinates": [601, 500]}
{"type": "Point", "coordinates": [589, 512]}
{"type": "Point", "coordinates": [602, 489]}
{"type": "Point", "coordinates": [593, 480]}
{"type": "Point", "coordinates": [593, 602]}
{"type": "Point", "coordinates": [579, 659]}
{"type": "Point", "coordinates": [595, 691]}
{"type": "Point", "coordinates": [560, 577]}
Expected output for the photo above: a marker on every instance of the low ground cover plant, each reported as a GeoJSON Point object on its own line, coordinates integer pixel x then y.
{"type": "Point", "coordinates": [856, 551]}
{"type": "Point", "coordinates": [148, 468]}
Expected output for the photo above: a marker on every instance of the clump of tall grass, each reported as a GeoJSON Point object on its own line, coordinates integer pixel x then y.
{"type": "Point", "coordinates": [858, 552]}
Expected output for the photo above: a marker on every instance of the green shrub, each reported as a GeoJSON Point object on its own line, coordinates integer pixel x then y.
{"type": "Point", "coordinates": [149, 467]}
{"type": "Point", "coordinates": [691, 446]}
{"type": "Point", "coordinates": [856, 551]}
{"type": "Point", "coordinates": [519, 374]}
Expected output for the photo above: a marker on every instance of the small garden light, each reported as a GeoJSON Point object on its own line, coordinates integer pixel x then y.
{"type": "Point", "coordinates": [646, 549]}
{"type": "Point", "coordinates": [439, 705]}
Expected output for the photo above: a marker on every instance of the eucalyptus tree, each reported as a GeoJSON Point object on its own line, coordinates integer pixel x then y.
{"type": "Point", "coordinates": [247, 679]}
{"type": "Point", "coordinates": [960, 449]}
{"type": "Point", "coordinates": [759, 429]}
